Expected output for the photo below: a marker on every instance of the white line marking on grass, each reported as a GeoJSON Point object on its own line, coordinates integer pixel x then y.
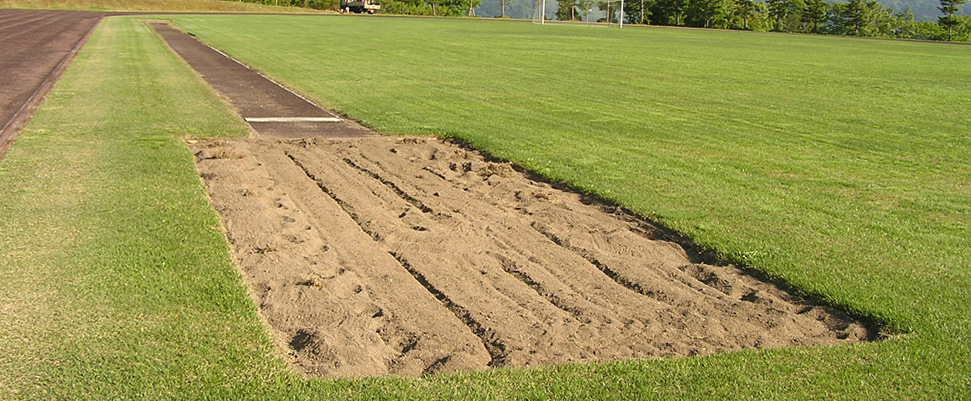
{"type": "Point", "coordinates": [293, 120]}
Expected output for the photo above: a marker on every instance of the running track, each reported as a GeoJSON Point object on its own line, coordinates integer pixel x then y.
{"type": "Point", "coordinates": [35, 48]}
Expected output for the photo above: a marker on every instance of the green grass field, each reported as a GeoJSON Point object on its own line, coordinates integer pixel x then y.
{"type": "Point", "coordinates": [838, 165]}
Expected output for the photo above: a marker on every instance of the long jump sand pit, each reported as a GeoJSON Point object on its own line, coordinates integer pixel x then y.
{"type": "Point", "coordinates": [410, 256]}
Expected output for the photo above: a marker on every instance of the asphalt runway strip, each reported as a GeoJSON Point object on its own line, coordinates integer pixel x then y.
{"type": "Point", "coordinates": [268, 107]}
{"type": "Point", "coordinates": [410, 256]}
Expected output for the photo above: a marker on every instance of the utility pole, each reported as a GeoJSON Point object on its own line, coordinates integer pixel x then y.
{"type": "Point", "coordinates": [621, 13]}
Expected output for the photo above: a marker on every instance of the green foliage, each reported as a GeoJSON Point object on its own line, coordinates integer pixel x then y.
{"type": "Point", "coordinates": [439, 8]}
{"type": "Point", "coordinates": [927, 31]}
{"type": "Point", "coordinates": [406, 7]}
{"type": "Point", "coordinates": [949, 20]}
{"type": "Point", "coordinates": [519, 9]}
{"type": "Point", "coordinates": [708, 13]}
{"type": "Point", "coordinates": [961, 30]}
{"type": "Point", "coordinates": [786, 14]}
{"type": "Point", "coordinates": [924, 10]}
{"type": "Point", "coordinates": [442, 8]}
{"type": "Point", "coordinates": [865, 18]}
{"type": "Point", "coordinates": [638, 11]}
{"type": "Point", "coordinates": [610, 9]}
{"type": "Point", "coordinates": [669, 12]}
{"type": "Point", "coordinates": [868, 18]}
{"type": "Point", "coordinates": [567, 10]}
{"type": "Point", "coordinates": [814, 14]}
{"type": "Point", "coordinates": [313, 4]}
{"type": "Point", "coordinates": [749, 15]}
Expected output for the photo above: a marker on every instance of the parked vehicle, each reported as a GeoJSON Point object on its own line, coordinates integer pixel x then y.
{"type": "Point", "coordinates": [360, 6]}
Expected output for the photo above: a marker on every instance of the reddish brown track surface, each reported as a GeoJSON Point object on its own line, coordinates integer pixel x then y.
{"type": "Point", "coordinates": [36, 48]}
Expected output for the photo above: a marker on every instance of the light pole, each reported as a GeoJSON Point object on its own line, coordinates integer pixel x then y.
{"type": "Point", "coordinates": [621, 13]}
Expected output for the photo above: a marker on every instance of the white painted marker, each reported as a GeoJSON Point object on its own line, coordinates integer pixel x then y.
{"type": "Point", "coordinates": [293, 120]}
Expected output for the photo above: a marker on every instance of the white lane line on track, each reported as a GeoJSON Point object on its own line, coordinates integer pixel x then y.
{"type": "Point", "coordinates": [293, 120]}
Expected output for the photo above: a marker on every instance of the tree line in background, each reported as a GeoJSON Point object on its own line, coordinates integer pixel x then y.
{"type": "Point", "coordinates": [446, 8]}
{"type": "Point", "coordinates": [865, 18]}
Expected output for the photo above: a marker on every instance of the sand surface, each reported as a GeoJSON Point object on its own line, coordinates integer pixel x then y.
{"type": "Point", "coordinates": [405, 256]}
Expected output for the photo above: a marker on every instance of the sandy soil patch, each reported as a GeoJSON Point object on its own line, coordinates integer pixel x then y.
{"type": "Point", "coordinates": [404, 256]}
